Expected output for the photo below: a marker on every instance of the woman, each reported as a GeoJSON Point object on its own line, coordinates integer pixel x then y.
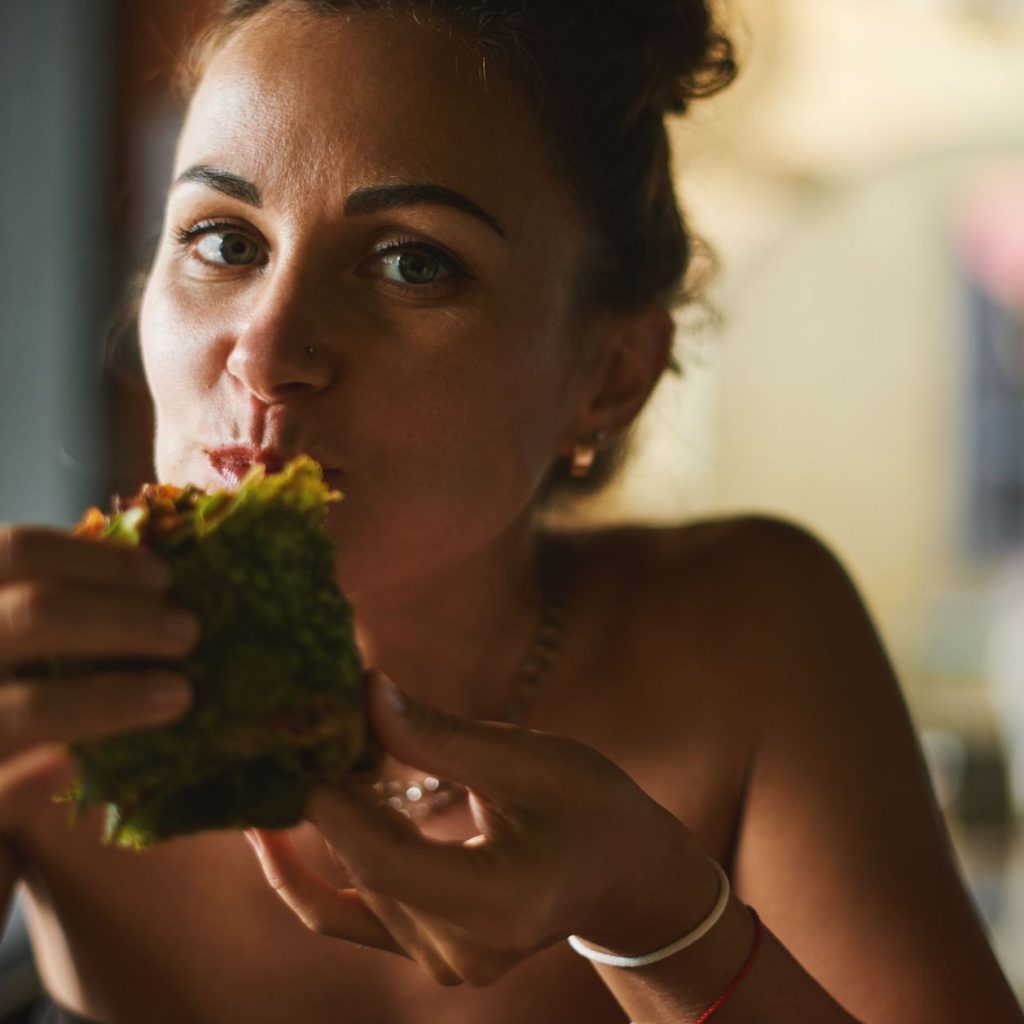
{"type": "Point", "coordinates": [435, 246]}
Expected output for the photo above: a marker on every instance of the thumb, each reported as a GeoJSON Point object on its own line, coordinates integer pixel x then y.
{"type": "Point", "coordinates": [491, 758]}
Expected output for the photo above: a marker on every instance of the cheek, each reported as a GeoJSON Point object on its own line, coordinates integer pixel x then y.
{"type": "Point", "coordinates": [483, 443]}
{"type": "Point", "coordinates": [493, 416]}
{"type": "Point", "coordinates": [174, 370]}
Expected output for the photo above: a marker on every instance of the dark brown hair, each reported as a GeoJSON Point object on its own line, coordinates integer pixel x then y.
{"type": "Point", "coordinates": [600, 76]}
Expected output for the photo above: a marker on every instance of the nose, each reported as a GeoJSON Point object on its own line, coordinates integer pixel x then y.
{"type": "Point", "coordinates": [279, 351]}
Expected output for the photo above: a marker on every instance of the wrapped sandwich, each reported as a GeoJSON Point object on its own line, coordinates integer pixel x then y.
{"type": "Point", "coordinates": [278, 704]}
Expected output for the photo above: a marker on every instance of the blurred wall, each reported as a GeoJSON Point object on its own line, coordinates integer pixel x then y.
{"type": "Point", "coordinates": [55, 89]}
{"type": "Point", "coordinates": [830, 179]}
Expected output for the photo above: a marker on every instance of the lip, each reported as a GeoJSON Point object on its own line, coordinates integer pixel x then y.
{"type": "Point", "coordinates": [232, 462]}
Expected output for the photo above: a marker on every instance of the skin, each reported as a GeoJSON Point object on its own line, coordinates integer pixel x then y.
{"type": "Point", "coordinates": [721, 691]}
{"type": "Point", "coordinates": [479, 368]}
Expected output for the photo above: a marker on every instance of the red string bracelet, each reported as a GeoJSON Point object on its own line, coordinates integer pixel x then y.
{"type": "Point", "coordinates": [744, 971]}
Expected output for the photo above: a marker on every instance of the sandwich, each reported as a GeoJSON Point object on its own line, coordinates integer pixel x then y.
{"type": "Point", "coordinates": [278, 691]}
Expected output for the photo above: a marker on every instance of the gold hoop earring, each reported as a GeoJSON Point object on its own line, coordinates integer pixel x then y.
{"type": "Point", "coordinates": [584, 456]}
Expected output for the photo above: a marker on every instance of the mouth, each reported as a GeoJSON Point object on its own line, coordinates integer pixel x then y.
{"type": "Point", "coordinates": [232, 463]}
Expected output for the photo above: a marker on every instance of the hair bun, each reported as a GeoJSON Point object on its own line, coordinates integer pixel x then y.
{"type": "Point", "coordinates": [687, 55]}
{"type": "Point", "coordinates": [698, 56]}
{"type": "Point", "coordinates": [673, 50]}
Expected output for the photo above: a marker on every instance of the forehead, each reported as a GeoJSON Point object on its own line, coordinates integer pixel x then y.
{"type": "Point", "coordinates": [311, 106]}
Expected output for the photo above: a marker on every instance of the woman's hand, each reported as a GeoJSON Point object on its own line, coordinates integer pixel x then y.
{"type": "Point", "coordinates": [69, 597]}
{"type": "Point", "coordinates": [567, 844]}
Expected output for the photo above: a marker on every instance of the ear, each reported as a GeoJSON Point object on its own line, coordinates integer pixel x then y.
{"type": "Point", "coordinates": [632, 351]}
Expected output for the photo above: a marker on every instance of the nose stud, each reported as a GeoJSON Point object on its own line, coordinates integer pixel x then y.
{"type": "Point", "coordinates": [310, 350]}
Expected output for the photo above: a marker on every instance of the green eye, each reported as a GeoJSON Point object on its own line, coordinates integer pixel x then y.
{"type": "Point", "coordinates": [228, 248]}
{"type": "Point", "coordinates": [414, 267]}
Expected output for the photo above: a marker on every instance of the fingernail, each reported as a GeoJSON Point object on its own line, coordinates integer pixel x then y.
{"type": "Point", "coordinates": [397, 701]}
{"type": "Point", "coordinates": [172, 693]}
{"type": "Point", "coordinates": [181, 626]}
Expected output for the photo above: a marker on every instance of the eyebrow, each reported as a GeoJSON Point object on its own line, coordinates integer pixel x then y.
{"type": "Point", "coordinates": [371, 199]}
{"type": "Point", "coordinates": [223, 181]}
{"type": "Point", "coordinates": [375, 198]}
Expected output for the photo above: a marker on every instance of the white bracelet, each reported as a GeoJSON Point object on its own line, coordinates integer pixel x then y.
{"type": "Point", "coordinates": [699, 932]}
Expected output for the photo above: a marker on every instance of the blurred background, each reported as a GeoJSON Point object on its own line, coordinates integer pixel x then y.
{"type": "Point", "coordinates": [863, 186]}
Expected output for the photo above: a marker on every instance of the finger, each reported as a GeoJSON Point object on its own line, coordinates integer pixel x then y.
{"type": "Point", "coordinates": [493, 758]}
{"type": "Point", "coordinates": [450, 953]}
{"type": "Point", "coordinates": [415, 935]}
{"type": "Point", "coordinates": [470, 954]}
{"type": "Point", "coordinates": [339, 913]}
{"type": "Point", "coordinates": [387, 854]}
{"type": "Point", "coordinates": [36, 552]}
{"type": "Point", "coordinates": [88, 708]}
{"type": "Point", "coordinates": [40, 620]}
{"type": "Point", "coordinates": [356, 916]}
{"type": "Point", "coordinates": [50, 767]}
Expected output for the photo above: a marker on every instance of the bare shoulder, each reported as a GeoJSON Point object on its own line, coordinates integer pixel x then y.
{"type": "Point", "coordinates": [734, 589]}
{"type": "Point", "coordinates": [840, 844]}
{"type": "Point", "coordinates": [755, 575]}
{"type": "Point", "coordinates": [710, 611]}
{"type": "Point", "coordinates": [763, 657]}
{"type": "Point", "coordinates": [683, 630]}
{"type": "Point", "coordinates": [723, 550]}
{"type": "Point", "coordinates": [749, 559]}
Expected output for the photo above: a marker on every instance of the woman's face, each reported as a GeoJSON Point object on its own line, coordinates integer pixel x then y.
{"type": "Point", "coordinates": [368, 258]}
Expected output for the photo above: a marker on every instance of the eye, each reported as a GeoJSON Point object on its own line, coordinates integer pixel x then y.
{"type": "Point", "coordinates": [416, 267]}
{"type": "Point", "coordinates": [221, 245]}
{"type": "Point", "coordinates": [228, 248]}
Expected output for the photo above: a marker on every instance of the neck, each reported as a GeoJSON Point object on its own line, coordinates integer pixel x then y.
{"type": "Point", "coordinates": [456, 639]}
